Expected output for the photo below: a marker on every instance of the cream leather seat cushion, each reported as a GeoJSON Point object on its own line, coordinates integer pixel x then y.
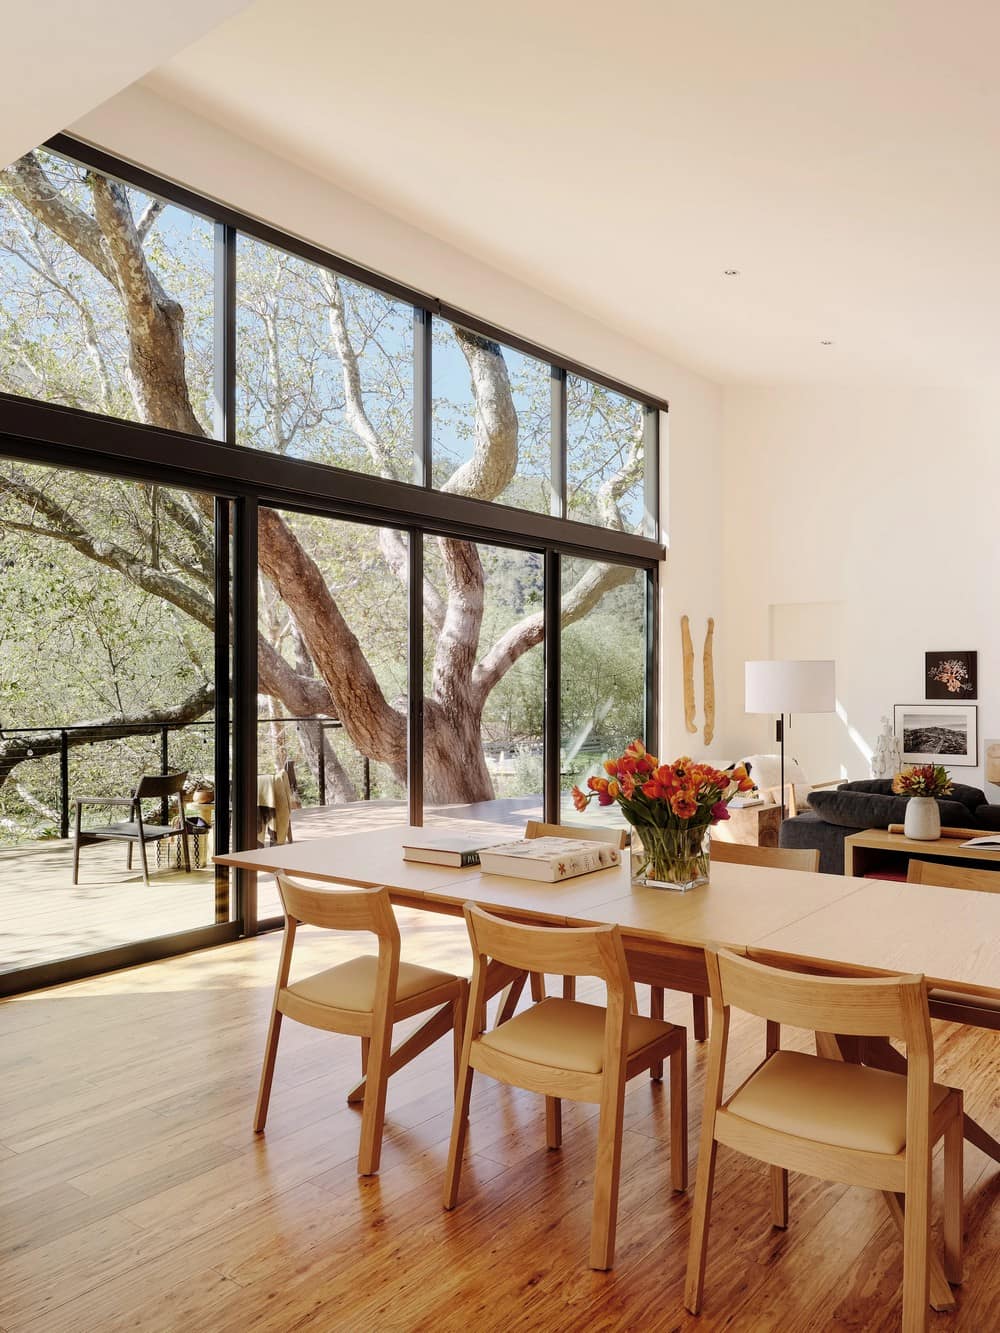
{"type": "Point", "coordinates": [352, 985]}
{"type": "Point", "coordinates": [828, 1101]}
{"type": "Point", "coordinates": [567, 1034]}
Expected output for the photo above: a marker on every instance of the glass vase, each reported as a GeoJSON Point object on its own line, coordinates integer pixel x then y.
{"type": "Point", "coordinates": [670, 858]}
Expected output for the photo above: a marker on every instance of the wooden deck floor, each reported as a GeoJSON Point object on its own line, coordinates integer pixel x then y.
{"type": "Point", "coordinates": [133, 1194]}
{"type": "Point", "coordinates": [47, 918]}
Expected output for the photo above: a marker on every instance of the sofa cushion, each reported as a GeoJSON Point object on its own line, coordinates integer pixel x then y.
{"type": "Point", "coordinates": [809, 831]}
{"type": "Point", "coordinates": [971, 797]}
{"type": "Point", "coordinates": [858, 809]}
{"type": "Point", "coordinates": [988, 816]}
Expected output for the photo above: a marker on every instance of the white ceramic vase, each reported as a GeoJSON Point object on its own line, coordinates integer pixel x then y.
{"type": "Point", "coordinates": [923, 819]}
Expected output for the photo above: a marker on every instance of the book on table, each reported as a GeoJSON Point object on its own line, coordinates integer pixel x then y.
{"type": "Point", "coordinates": [549, 859]}
{"type": "Point", "coordinates": [991, 840]}
{"type": "Point", "coordinates": [457, 852]}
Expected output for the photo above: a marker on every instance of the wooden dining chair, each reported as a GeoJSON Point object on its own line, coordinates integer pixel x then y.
{"type": "Point", "coordinates": [831, 1119]}
{"type": "Point", "coordinates": [776, 858]}
{"type": "Point", "coordinates": [566, 1049]}
{"type": "Point", "coordinates": [737, 853]}
{"type": "Point", "coordinates": [362, 998]}
{"type": "Point", "coordinates": [534, 828]}
{"type": "Point", "coordinates": [953, 1006]}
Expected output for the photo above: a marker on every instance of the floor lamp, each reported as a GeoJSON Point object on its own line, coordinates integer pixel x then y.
{"type": "Point", "coordinates": [785, 687]}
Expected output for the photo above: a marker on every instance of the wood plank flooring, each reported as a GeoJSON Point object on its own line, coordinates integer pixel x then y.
{"type": "Point", "coordinates": [133, 1194]}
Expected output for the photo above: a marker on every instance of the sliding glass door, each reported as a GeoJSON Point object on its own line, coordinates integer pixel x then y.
{"type": "Point", "coordinates": [108, 673]}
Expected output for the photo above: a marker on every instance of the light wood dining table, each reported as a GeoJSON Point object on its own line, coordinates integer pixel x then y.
{"type": "Point", "coordinates": [828, 923]}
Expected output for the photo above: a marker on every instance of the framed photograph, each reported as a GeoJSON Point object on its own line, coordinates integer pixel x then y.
{"type": "Point", "coordinates": [938, 733]}
{"type": "Point", "coordinates": [951, 676]}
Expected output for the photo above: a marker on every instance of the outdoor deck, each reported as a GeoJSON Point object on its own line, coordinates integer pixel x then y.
{"type": "Point", "coordinates": [45, 917]}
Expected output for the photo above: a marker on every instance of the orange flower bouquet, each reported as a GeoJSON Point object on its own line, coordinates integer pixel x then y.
{"type": "Point", "coordinates": [670, 808]}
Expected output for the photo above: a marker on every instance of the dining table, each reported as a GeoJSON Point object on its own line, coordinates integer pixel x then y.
{"type": "Point", "coordinates": [829, 924]}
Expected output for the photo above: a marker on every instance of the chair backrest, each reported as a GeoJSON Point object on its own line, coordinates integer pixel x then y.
{"type": "Point", "coordinates": [339, 909]}
{"type": "Point", "coordinates": [778, 858]}
{"type": "Point", "coordinates": [860, 1007]}
{"type": "Point", "coordinates": [586, 833]}
{"type": "Point", "coordinates": [586, 951]}
{"type": "Point", "coordinates": [158, 786]}
{"type": "Point", "coordinates": [953, 877]}
{"type": "Point", "coordinates": [589, 951]}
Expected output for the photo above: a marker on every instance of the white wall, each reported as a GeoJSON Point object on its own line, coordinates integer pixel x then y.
{"type": "Point", "coordinates": [882, 500]}
{"type": "Point", "coordinates": [170, 140]}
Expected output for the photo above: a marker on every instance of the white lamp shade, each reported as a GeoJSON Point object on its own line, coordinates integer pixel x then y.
{"type": "Point", "coordinates": [790, 687]}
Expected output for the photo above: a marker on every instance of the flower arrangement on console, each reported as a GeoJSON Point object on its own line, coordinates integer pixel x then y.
{"type": "Point", "coordinates": [670, 808]}
{"type": "Point", "coordinates": [922, 780]}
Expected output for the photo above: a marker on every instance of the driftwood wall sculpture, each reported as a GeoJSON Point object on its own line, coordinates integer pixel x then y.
{"type": "Point", "coordinates": [708, 681]}
{"type": "Point", "coordinates": [687, 649]}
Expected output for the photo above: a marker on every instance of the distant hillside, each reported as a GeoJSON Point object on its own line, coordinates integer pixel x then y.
{"type": "Point", "coordinates": [934, 740]}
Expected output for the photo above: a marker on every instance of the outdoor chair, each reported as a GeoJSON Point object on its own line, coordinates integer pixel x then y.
{"type": "Point", "coordinates": [135, 830]}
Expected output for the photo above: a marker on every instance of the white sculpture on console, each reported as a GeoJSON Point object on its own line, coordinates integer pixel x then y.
{"type": "Point", "coordinates": [887, 757]}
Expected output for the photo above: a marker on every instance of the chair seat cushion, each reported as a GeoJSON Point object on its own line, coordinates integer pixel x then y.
{"type": "Point", "coordinates": [126, 830]}
{"type": "Point", "coordinates": [567, 1034]}
{"type": "Point", "coordinates": [828, 1101]}
{"type": "Point", "coordinates": [351, 985]}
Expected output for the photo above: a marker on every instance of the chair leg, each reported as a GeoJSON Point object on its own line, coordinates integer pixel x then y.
{"type": "Point", "coordinates": [694, 1283]}
{"type": "Point", "coordinates": [699, 1019]}
{"type": "Point", "coordinates": [509, 999]}
{"type": "Point", "coordinates": [553, 1123]}
{"type": "Point", "coordinates": [76, 860]}
{"type": "Point", "coordinates": [606, 1177]}
{"type": "Point", "coordinates": [916, 1248]}
{"type": "Point", "coordinates": [366, 1045]}
{"type": "Point", "coordinates": [145, 864]}
{"type": "Point", "coordinates": [537, 987]}
{"type": "Point", "coordinates": [267, 1072]}
{"type": "Point", "coordinates": [373, 1110]}
{"type": "Point", "coordinates": [656, 1011]}
{"type": "Point", "coordinates": [954, 1143]}
{"type": "Point", "coordinates": [779, 1197]}
{"type": "Point", "coordinates": [772, 1040]}
{"type": "Point", "coordinates": [679, 1118]}
{"type": "Point", "coordinates": [459, 1013]}
{"type": "Point", "coordinates": [459, 1128]}
{"type": "Point", "coordinates": [569, 988]}
{"type": "Point", "coordinates": [128, 855]}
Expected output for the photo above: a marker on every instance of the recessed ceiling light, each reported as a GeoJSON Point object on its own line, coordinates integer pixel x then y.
{"type": "Point", "coordinates": [731, 272]}
{"type": "Point", "coordinates": [826, 342]}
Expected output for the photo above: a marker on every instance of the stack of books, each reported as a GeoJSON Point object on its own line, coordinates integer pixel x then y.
{"type": "Point", "coordinates": [448, 851]}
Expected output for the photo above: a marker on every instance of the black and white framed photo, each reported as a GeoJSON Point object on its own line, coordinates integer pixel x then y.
{"type": "Point", "coordinates": [951, 676]}
{"type": "Point", "coordinates": [938, 733]}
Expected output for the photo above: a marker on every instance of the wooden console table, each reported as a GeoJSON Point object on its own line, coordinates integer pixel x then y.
{"type": "Point", "coordinates": [867, 850]}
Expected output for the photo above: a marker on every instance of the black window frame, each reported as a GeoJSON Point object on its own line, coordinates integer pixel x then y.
{"type": "Point", "coordinates": [242, 479]}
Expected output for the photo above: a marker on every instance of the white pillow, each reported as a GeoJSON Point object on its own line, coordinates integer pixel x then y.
{"type": "Point", "coordinates": [765, 771]}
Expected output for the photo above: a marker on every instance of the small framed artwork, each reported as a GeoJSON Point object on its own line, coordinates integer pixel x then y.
{"type": "Point", "coordinates": [951, 676]}
{"type": "Point", "coordinates": [938, 733]}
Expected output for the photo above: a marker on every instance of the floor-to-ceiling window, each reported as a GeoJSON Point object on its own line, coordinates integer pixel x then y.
{"type": "Point", "coordinates": [411, 558]}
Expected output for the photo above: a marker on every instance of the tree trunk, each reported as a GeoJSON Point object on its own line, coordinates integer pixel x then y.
{"type": "Point", "coordinates": [455, 769]}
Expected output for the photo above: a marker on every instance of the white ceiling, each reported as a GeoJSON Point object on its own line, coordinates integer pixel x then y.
{"type": "Point", "coordinates": [620, 154]}
{"type": "Point", "coordinates": [62, 57]}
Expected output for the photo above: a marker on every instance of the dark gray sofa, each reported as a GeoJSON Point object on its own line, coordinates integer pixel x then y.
{"type": "Point", "coordinates": [854, 806]}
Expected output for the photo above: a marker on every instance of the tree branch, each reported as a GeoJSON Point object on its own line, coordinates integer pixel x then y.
{"type": "Point", "coordinates": [374, 726]}
{"type": "Point", "coordinates": [16, 749]}
{"type": "Point", "coordinates": [31, 187]}
{"type": "Point", "coordinates": [586, 593]}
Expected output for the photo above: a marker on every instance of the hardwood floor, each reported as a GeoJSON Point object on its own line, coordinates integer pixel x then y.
{"type": "Point", "coordinates": [133, 1193]}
